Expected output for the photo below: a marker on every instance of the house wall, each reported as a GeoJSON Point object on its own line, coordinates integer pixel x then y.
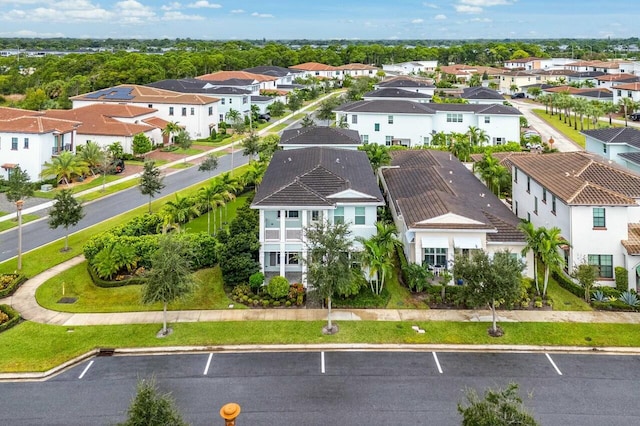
{"type": "Point", "coordinates": [506, 81]}
{"type": "Point", "coordinates": [127, 141]}
{"type": "Point", "coordinates": [625, 93]}
{"type": "Point", "coordinates": [29, 159]}
{"type": "Point", "coordinates": [240, 103]}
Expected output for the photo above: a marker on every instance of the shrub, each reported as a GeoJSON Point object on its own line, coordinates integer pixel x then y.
{"type": "Point", "coordinates": [265, 303]}
{"type": "Point", "coordinates": [276, 303]}
{"type": "Point", "coordinates": [12, 317]}
{"type": "Point", "coordinates": [622, 279]}
{"type": "Point", "coordinates": [256, 280]}
{"type": "Point", "coordinates": [9, 283]}
{"type": "Point", "coordinates": [278, 287]}
{"type": "Point", "coordinates": [365, 299]}
{"type": "Point", "coordinates": [136, 280]}
{"type": "Point", "coordinates": [567, 284]}
{"type": "Point", "coordinates": [287, 303]}
{"type": "Point", "coordinates": [630, 299]}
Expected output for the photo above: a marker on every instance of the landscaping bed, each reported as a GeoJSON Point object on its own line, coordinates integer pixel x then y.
{"type": "Point", "coordinates": [8, 317]}
{"type": "Point", "coordinates": [9, 283]}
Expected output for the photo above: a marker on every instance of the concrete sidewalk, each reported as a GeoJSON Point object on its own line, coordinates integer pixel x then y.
{"type": "Point", "coordinates": [24, 301]}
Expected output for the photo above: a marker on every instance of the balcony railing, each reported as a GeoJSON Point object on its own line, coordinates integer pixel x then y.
{"type": "Point", "coordinates": [294, 234]}
{"type": "Point", "coordinates": [272, 234]}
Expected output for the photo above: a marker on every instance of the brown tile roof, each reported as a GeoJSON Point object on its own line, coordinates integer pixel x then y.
{"type": "Point", "coordinates": [156, 122]}
{"type": "Point", "coordinates": [595, 64]}
{"type": "Point", "coordinates": [243, 75]}
{"type": "Point", "coordinates": [314, 66]}
{"type": "Point", "coordinates": [504, 158]}
{"type": "Point", "coordinates": [9, 113]}
{"type": "Point", "coordinates": [357, 67]}
{"type": "Point", "coordinates": [37, 125]}
{"type": "Point", "coordinates": [580, 178]}
{"type": "Point", "coordinates": [144, 94]}
{"type": "Point", "coordinates": [629, 86]}
{"type": "Point", "coordinates": [633, 243]}
{"type": "Point", "coordinates": [425, 184]}
{"type": "Point", "coordinates": [615, 77]}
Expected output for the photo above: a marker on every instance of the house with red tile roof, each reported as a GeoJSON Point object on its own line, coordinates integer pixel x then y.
{"type": "Point", "coordinates": [258, 81]}
{"type": "Point", "coordinates": [626, 90]}
{"type": "Point", "coordinates": [196, 113]}
{"type": "Point", "coordinates": [358, 70]}
{"type": "Point", "coordinates": [315, 69]}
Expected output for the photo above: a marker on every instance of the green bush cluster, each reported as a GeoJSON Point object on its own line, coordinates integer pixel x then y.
{"type": "Point", "coordinates": [294, 295]}
{"type": "Point", "coordinates": [622, 278]}
{"type": "Point", "coordinates": [365, 299]}
{"type": "Point", "coordinates": [9, 283]}
{"type": "Point", "coordinates": [278, 287]}
{"type": "Point", "coordinates": [8, 317]}
{"type": "Point", "coordinates": [567, 284]}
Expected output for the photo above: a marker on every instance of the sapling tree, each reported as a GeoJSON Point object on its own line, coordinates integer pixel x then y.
{"type": "Point", "coordinates": [151, 181]}
{"type": "Point", "coordinates": [66, 212]}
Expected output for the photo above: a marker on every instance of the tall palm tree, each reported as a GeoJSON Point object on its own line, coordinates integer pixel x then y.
{"type": "Point", "coordinates": [580, 107]}
{"type": "Point", "coordinates": [210, 199]}
{"type": "Point", "coordinates": [546, 101]}
{"type": "Point", "coordinates": [378, 155]}
{"type": "Point", "coordinates": [387, 237]}
{"type": "Point", "coordinates": [254, 173]}
{"type": "Point", "coordinates": [533, 237]}
{"type": "Point", "coordinates": [92, 155]}
{"type": "Point", "coordinates": [64, 167]}
{"type": "Point", "coordinates": [628, 106]}
{"type": "Point", "coordinates": [609, 108]}
{"type": "Point", "coordinates": [550, 242]}
{"type": "Point", "coordinates": [179, 212]}
{"type": "Point", "coordinates": [172, 128]}
{"type": "Point", "coordinates": [477, 136]}
{"type": "Point", "coordinates": [377, 262]}
{"type": "Point", "coordinates": [232, 116]}
{"type": "Point", "coordinates": [228, 186]}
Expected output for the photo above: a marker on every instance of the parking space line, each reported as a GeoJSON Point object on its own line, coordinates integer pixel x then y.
{"type": "Point", "coordinates": [206, 367]}
{"type": "Point", "coordinates": [85, 370]}
{"type": "Point", "coordinates": [322, 362]}
{"type": "Point", "coordinates": [554, 364]}
{"type": "Point", "coordinates": [435, 357]}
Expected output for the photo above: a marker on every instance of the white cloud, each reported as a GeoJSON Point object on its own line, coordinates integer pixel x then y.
{"type": "Point", "coordinates": [204, 4]}
{"type": "Point", "coordinates": [486, 3]}
{"type": "Point", "coordinates": [480, 20]}
{"type": "Point", "coordinates": [440, 17]}
{"type": "Point", "coordinates": [134, 9]}
{"type": "Point", "coordinates": [417, 21]}
{"type": "Point", "coordinates": [431, 5]}
{"type": "Point", "coordinates": [171, 6]}
{"type": "Point", "coordinates": [179, 16]}
{"type": "Point", "coordinates": [30, 34]}
{"type": "Point", "coordinates": [262, 15]}
{"type": "Point", "coordinates": [467, 9]}
{"type": "Point", "coordinates": [237, 11]}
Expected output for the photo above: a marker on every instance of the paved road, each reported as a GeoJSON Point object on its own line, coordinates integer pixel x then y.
{"type": "Point", "coordinates": [348, 388]}
{"type": "Point", "coordinates": [35, 234]}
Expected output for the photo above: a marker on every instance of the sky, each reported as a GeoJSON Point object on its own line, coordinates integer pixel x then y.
{"type": "Point", "coordinates": [326, 19]}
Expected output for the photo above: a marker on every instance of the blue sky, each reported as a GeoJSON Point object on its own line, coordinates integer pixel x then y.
{"type": "Point", "coordinates": [326, 19]}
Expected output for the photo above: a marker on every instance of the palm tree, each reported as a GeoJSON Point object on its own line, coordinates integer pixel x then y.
{"type": "Point", "coordinates": [460, 146]}
{"type": "Point", "coordinates": [550, 242]}
{"type": "Point", "coordinates": [535, 92]}
{"type": "Point", "coordinates": [378, 155]}
{"type": "Point", "coordinates": [609, 108]}
{"type": "Point", "coordinates": [580, 107]}
{"type": "Point", "coordinates": [387, 236]}
{"type": "Point", "coordinates": [477, 136]}
{"type": "Point", "coordinates": [377, 262]}
{"type": "Point", "coordinates": [546, 101]}
{"type": "Point", "coordinates": [172, 128]}
{"type": "Point", "coordinates": [533, 237]}
{"type": "Point", "coordinates": [232, 116]}
{"type": "Point", "coordinates": [92, 155]}
{"type": "Point", "coordinates": [210, 199]}
{"type": "Point", "coordinates": [254, 173]}
{"type": "Point", "coordinates": [179, 212]}
{"type": "Point", "coordinates": [64, 167]}
{"type": "Point", "coordinates": [228, 186]}
{"type": "Point", "coordinates": [628, 106]}
{"type": "Point", "coordinates": [439, 139]}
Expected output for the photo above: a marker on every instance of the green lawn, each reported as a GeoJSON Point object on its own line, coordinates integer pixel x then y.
{"type": "Point", "coordinates": [401, 297]}
{"type": "Point", "coordinates": [221, 215]}
{"type": "Point", "coordinates": [12, 223]}
{"type": "Point", "coordinates": [94, 183]}
{"type": "Point", "coordinates": [564, 300]}
{"type": "Point", "coordinates": [188, 151]}
{"type": "Point", "coordinates": [109, 190]}
{"type": "Point", "coordinates": [91, 298]}
{"type": "Point", "coordinates": [183, 165]}
{"type": "Point", "coordinates": [39, 347]}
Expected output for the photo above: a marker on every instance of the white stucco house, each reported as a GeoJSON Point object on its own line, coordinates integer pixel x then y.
{"type": "Point", "coordinates": [390, 93]}
{"type": "Point", "coordinates": [441, 209]}
{"type": "Point", "coordinates": [394, 122]}
{"type": "Point", "coordinates": [358, 70]}
{"type": "Point", "coordinates": [407, 83]}
{"type": "Point", "coordinates": [196, 113]}
{"type": "Point", "coordinates": [628, 90]}
{"type": "Point", "coordinates": [412, 67]}
{"type": "Point", "coordinates": [305, 185]}
{"type": "Point", "coordinates": [618, 144]}
{"type": "Point", "coordinates": [261, 81]}
{"type": "Point", "coordinates": [316, 136]}
{"type": "Point", "coordinates": [284, 76]}
{"type": "Point", "coordinates": [315, 69]}
{"type": "Point", "coordinates": [594, 203]}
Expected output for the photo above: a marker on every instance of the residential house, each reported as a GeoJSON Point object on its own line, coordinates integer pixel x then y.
{"type": "Point", "coordinates": [605, 67]}
{"type": "Point", "coordinates": [593, 201]}
{"type": "Point", "coordinates": [306, 185]}
{"type": "Point", "coordinates": [28, 140]}
{"type": "Point", "coordinates": [602, 95]}
{"type": "Point", "coordinates": [463, 73]}
{"type": "Point", "coordinates": [627, 90]}
{"type": "Point", "coordinates": [413, 67]}
{"type": "Point", "coordinates": [304, 137]}
{"type": "Point", "coordinates": [609, 81]}
{"type": "Point", "coordinates": [315, 69]}
{"type": "Point", "coordinates": [526, 64]}
{"type": "Point", "coordinates": [584, 77]}
{"type": "Point", "coordinates": [551, 76]}
{"type": "Point", "coordinates": [618, 144]}
{"type": "Point", "coordinates": [441, 209]}
{"type": "Point", "coordinates": [393, 122]}
{"type": "Point", "coordinates": [391, 93]}
{"type": "Point", "coordinates": [482, 95]}
{"type": "Point", "coordinates": [514, 81]}
{"type": "Point", "coordinates": [407, 83]}
{"type": "Point", "coordinates": [196, 113]}
{"type": "Point", "coordinates": [264, 82]}
{"type": "Point", "coordinates": [358, 70]}
{"type": "Point", "coordinates": [285, 76]}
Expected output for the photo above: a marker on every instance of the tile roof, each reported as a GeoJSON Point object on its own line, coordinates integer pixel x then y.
{"type": "Point", "coordinates": [356, 66]}
{"type": "Point", "coordinates": [9, 113]}
{"type": "Point", "coordinates": [271, 70]}
{"type": "Point", "coordinates": [386, 106]}
{"type": "Point", "coordinates": [309, 176]}
{"type": "Point", "coordinates": [480, 93]}
{"type": "Point", "coordinates": [392, 92]}
{"type": "Point", "coordinates": [37, 125]}
{"type": "Point", "coordinates": [632, 244]}
{"type": "Point", "coordinates": [619, 77]}
{"type": "Point", "coordinates": [243, 75]}
{"type": "Point", "coordinates": [504, 158]}
{"type": "Point", "coordinates": [144, 94]}
{"type": "Point", "coordinates": [426, 184]}
{"type": "Point", "coordinates": [616, 135]}
{"type": "Point", "coordinates": [320, 135]}
{"type": "Point", "coordinates": [314, 66]}
{"type": "Point", "coordinates": [629, 86]}
{"type": "Point", "coordinates": [580, 178]}
{"type": "Point", "coordinates": [632, 157]}
{"type": "Point", "coordinates": [400, 82]}
{"type": "Point", "coordinates": [193, 85]}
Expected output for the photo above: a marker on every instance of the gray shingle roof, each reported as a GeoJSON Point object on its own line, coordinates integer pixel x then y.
{"type": "Point", "coordinates": [404, 82]}
{"type": "Point", "coordinates": [192, 85]}
{"type": "Point", "coordinates": [387, 106]}
{"type": "Point", "coordinates": [320, 136]}
{"type": "Point", "coordinates": [273, 71]}
{"type": "Point", "coordinates": [480, 93]}
{"type": "Point", "coordinates": [395, 93]}
{"type": "Point", "coordinates": [309, 176]}
{"type": "Point", "coordinates": [619, 135]}
{"type": "Point", "coordinates": [426, 184]}
{"type": "Point", "coordinates": [632, 157]}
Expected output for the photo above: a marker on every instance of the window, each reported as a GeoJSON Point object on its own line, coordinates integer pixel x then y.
{"type": "Point", "coordinates": [388, 140]}
{"type": "Point", "coordinates": [376, 127]}
{"type": "Point", "coordinates": [315, 215]}
{"type": "Point", "coordinates": [230, 101]}
{"type": "Point", "coordinates": [150, 105]}
{"type": "Point", "coordinates": [222, 101]}
{"type": "Point", "coordinates": [274, 258]}
{"type": "Point", "coordinates": [599, 217]}
{"type": "Point", "coordinates": [535, 205]}
{"type": "Point", "coordinates": [170, 110]}
{"type": "Point", "coordinates": [553, 204]}
{"type": "Point", "coordinates": [487, 119]}
{"type": "Point", "coordinates": [604, 262]}
{"type": "Point", "coordinates": [338, 215]}
{"type": "Point", "coordinates": [210, 110]}
{"type": "Point", "coordinates": [454, 118]}
{"type": "Point", "coordinates": [365, 139]}
{"type": "Point", "coordinates": [435, 256]}
{"type": "Point", "coordinates": [14, 144]}
{"type": "Point", "coordinates": [360, 217]}
{"type": "Point", "coordinates": [354, 119]}
{"type": "Point", "coordinates": [193, 111]}
{"type": "Point", "coordinates": [425, 140]}
{"type": "Point", "coordinates": [390, 119]}
{"type": "Point", "coordinates": [516, 208]}
{"type": "Point", "coordinates": [245, 99]}
{"type": "Point", "coordinates": [221, 117]}
{"type": "Point", "coordinates": [528, 217]}
{"type": "Point", "coordinates": [515, 175]}
{"type": "Point", "coordinates": [528, 184]}
{"type": "Point", "coordinates": [184, 112]}
{"type": "Point", "coordinates": [26, 143]}
{"type": "Point", "coordinates": [293, 214]}
{"type": "Point", "coordinates": [544, 195]}
{"type": "Point", "coordinates": [292, 258]}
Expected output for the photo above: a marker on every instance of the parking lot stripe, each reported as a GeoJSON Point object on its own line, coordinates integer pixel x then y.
{"type": "Point", "coordinates": [322, 362]}
{"type": "Point", "coordinates": [435, 357]}
{"type": "Point", "coordinates": [85, 370]}
{"type": "Point", "coordinates": [554, 364]}
{"type": "Point", "coordinates": [206, 367]}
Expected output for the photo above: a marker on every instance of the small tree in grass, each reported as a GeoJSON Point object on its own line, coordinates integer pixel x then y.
{"type": "Point", "coordinates": [170, 276]}
{"type": "Point", "coordinates": [66, 212]}
{"type": "Point", "coordinates": [208, 164]}
{"type": "Point", "coordinates": [183, 140]}
{"type": "Point", "coordinates": [19, 186]}
{"type": "Point", "coordinates": [586, 275]}
{"type": "Point", "coordinates": [500, 407]}
{"type": "Point", "coordinates": [489, 280]}
{"type": "Point", "coordinates": [328, 248]}
{"type": "Point", "coordinates": [151, 181]}
{"type": "Point", "coordinates": [150, 407]}
{"type": "Point", "coordinates": [141, 144]}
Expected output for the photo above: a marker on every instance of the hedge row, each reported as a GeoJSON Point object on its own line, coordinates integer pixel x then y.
{"type": "Point", "coordinates": [13, 286]}
{"type": "Point", "coordinates": [14, 317]}
{"type": "Point", "coordinates": [567, 284]}
{"type": "Point", "coordinates": [112, 283]}
{"type": "Point", "coordinates": [616, 305]}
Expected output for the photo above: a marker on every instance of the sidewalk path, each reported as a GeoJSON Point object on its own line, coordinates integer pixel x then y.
{"type": "Point", "coordinates": [24, 302]}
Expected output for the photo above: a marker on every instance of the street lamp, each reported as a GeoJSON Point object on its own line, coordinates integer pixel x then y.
{"type": "Point", "coordinates": [19, 205]}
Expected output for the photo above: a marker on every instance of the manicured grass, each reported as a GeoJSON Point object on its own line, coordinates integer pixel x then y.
{"type": "Point", "coordinates": [200, 223]}
{"type": "Point", "coordinates": [109, 190]}
{"type": "Point", "coordinates": [91, 298]}
{"type": "Point", "coordinates": [141, 163]}
{"type": "Point", "coordinates": [39, 347]}
{"type": "Point", "coordinates": [189, 151]}
{"type": "Point", "coordinates": [181, 166]}
{"type": "Point", "coordinates": [401, 297]}
{"type": "Point", "coordinates": [12, 223]}
{"type": "Point", "coordinates": [94, 183]}
{"type": "Point", "coordinates": [564, 300]}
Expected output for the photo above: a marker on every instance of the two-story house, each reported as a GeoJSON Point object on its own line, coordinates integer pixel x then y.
{"type": "Point", "coordinates": [626, 90]}
{"type": "Point", "coordinates": [412, 67]}
{"type": "Point", "coordinates": [395, 122]}
{"type": "Point", "coordinates": [441, 209]}
{"type": "Point", "coordinates": [285, 76]}
{"type": "Point", "coordinates": [482, 95]}
{"type": "Point", "coordinates": [619, 144]}
{"type": "Point", "coordinates": [595, 204]}
{"type": "Point", "coordinates": [514, 81]}
{"type": "Point", "coordinates": [407, 83]}
{"type": "Point", "coordinates": [358, 70]}
{"type": "Point", "coordinates": [391, 93]}
{"type": "Point", "coordinates": [302, 186]}
{"type": "Point", "coordinates": [318, 70]}
{"type": "Point", "coordinates": [305, 137]}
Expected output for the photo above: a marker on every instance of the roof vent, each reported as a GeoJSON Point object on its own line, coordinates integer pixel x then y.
{"type": "Point", "coordinates": [488, 205]}
{"type": "Point", "coordinates": [482, 194]}
{"type": "Point", "coordinates": [450, 172]}
{"type": "Point", "coordinates": [289, 159]}
{"type": "Point", "coordinates": [338, 160]}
